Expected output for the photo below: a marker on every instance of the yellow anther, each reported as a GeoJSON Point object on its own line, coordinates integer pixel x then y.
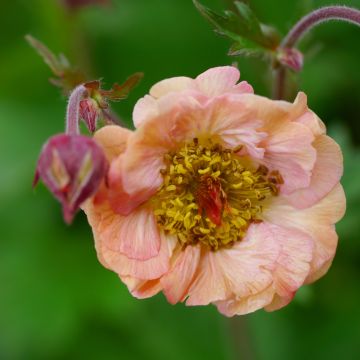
{"type": "Point", "coordinates": [234, 211]}
{"type": "Point", "coordinates": [179, 202]}
{"type": "Point", "coordinates": [191, 206]}
{"type": "Point", "coordinates": [216, 174]}
{"type": "Point", "coordinates": [189, 197]}
{"type": "Point", "coordinates": [226, 163]}
{"type": "Point", "coordinates": [180, 169]}
{"type": "Point", "coordinates": [204, 231]}
{"type": "Point", "coordinates": [215, 160]}
{"type": "Point", "coordinates": [204, 171]}
{"type": "Point", "coordinates": [170, 213]}
{"type": "Point", "coordinates": [237, 186]}
{"type": "Point", "coordinates": [166, 180]}
{"type": "Point", "coordinates": [178, 217]}
{"type": "Point", "coordinates": [188, 164]}
{"type": "Point", "coordinates": [206, 158]}
{"type": "Point", "coordinates": [249, 180]}
{"type": "Point", "coordinates": [171, 188]}
{"type": "Point", "coordinates": [187, 221]}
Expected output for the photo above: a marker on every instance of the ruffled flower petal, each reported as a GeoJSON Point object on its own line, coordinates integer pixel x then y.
{"type": "Point", "coordinates": [312, 122]}
{"type": "Point", "coordinates": [317, 221]}
{"type": "Point", "coordinates": [246, 305]}
{"type": "Point", "coordinates": [211, 83]}
{"type": "Point", "coordinates": [142, 289]}
{"type": "Point", "coordinates": [242, 88]}
{"type": "Point", "coordinates": [124, 200]}
{"type": "Point", "coordinates": [145, 108]}
{"type": "Point", "coordinates": [278, 302]}
{"type": "Point", "coordinates": [292, 265]}
{"type": "Point", "coordinates": [177, 281]}
{"type": "Point", "coordinates": [136, 235]}
{"type": "Point", "coordinates": [326, 173]}
{"type": "Point", "coordinates": [113, 140]}
{"type": "Point", "coordinates": [243, 270]}
{"type": "Point", "coordinates": [287, 143]}
{"type": "Point", "coordinates": [234, 122]}
{"type": "Point", "coordinates": [289, 150]}
{"type": "Point", "coordinates": [106, 226]}
{"type": "Point", "coordinates": [219, 80]}
{"type": "Point", "coordinates": [175, 84]}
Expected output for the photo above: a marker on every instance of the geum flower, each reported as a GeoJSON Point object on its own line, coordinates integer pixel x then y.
{"type": "Point", "coordinates": [219, 195]}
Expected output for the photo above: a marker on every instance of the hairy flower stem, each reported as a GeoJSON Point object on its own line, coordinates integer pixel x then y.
{"type": "Point", "coordinates": [73, 110]}
{"type": "Point", "coordinates": [308, 22]}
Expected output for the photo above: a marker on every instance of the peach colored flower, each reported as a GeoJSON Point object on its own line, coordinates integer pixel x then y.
{"type": "Point", "coordinates": [219, 195]}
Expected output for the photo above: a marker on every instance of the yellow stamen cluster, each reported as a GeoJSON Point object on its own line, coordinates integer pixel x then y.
{"type": "Point", "coordinates": [179, 203]}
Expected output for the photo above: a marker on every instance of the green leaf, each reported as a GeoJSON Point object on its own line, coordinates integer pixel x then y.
{"type": "Point", "coordinates": [67, 77]}
{"type": "Point", "coordinates": [56, 65]}
{"type": "Point", "coordinates": [249, 25]}
{"type": "Point", "coordinates": [238, 49]}
{"type": "Point", "coordinates": [242, 26]}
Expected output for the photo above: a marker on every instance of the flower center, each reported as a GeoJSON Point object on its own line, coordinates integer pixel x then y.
{"type": "Point", "coordinates": [210, 196]}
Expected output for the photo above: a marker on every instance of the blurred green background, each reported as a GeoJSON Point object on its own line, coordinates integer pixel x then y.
{"type": "Point", "coordinates": [56, 301]}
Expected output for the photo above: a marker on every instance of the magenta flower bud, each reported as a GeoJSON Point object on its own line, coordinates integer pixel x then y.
{"type": "Point", "coordinates": [72, 167]}
{"type": "Point", "coordinates": [291, 58]}
{"type": "Point", "coordinates": [89, 112]}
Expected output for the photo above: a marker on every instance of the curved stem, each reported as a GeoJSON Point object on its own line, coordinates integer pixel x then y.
{"type": "Point", "coordinates": [341, 13]}
{"type": "Point", "coordinates": [72, 112]}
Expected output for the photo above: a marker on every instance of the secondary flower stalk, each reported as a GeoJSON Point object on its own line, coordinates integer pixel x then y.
{"type": "Point", "coordinates": [339, 13]}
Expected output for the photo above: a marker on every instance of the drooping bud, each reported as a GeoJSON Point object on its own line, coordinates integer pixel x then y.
{"type": "Point", "coordinates": [72, 167]}
{"type": "Point", "coordinates": [291, 58]}
{"type": "Point", "coordinates": [89, 113]}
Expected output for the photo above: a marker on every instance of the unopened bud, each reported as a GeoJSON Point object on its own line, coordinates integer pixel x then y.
{"type": "Point", "coordinates": [89, 112]}
{"type": "Point", "coordinates": [291, 58]}
{"type": "Point", "coordinates": [72, 167]}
